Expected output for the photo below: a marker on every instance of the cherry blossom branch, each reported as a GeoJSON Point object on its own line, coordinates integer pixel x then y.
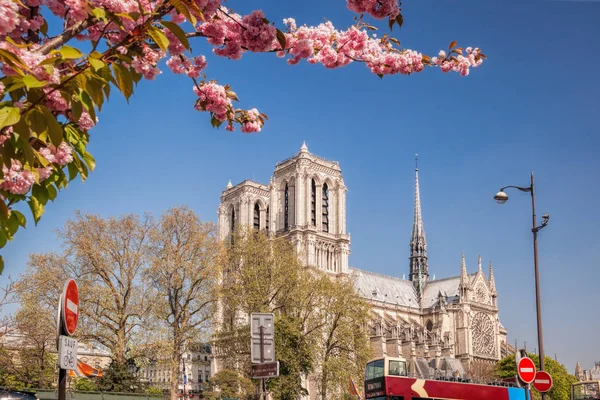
{"type": "Point", "coordinates": [64, 37]}
{"type": "Point", "coordinates": [233, 19]}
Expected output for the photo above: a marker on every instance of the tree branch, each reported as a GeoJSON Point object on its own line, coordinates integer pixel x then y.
{"type": "Point", "coordinates": [64, 37]}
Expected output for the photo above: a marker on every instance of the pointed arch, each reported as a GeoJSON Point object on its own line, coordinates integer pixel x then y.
{"type": "Point", "coordinates": [267, 220]}
{"type": "Point", "coordinates": [232, 222]}
{"type": "Point", "coordinates": [286, 208]}
{"type": "Point", "coordinates": [313, 202]}
{"type": "Point", "coordinates": [256, 222]}
{"type": "Point", "coordinates": [325, 207]}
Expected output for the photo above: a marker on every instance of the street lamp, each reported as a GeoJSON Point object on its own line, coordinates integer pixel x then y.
{"type": "Point", "coordinates": [501, 197]}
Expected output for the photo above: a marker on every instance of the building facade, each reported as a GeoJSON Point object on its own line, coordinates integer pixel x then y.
{"type": "Point", "coordinates": [442, 326]}
{"type": "Point", "coordinates": [585, 375]}
{"type": "Point", "coordinates": [194, 370]}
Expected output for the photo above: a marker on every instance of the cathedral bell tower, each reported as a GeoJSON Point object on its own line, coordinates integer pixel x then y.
{"type": "Point", "coordinates": [419, 270]}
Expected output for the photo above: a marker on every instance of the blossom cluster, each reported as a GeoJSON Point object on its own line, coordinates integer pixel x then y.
{"type": "Point", "coordinates": [233, 34]}
{"type": "Point", "coordinates": [213, 97]}
{"type": "Point", "coordinates": [252, 122]}
{"type": "Point", "coordinates": [16, 179]}
{"type": "Point", "coordinates": [145, 63]}
{"type": "Point", "coordinates": [462, 64]}
{"type": "Point", "coordinates": [182, 65]}
{"type": "Point", "coordinates": [376, 8]}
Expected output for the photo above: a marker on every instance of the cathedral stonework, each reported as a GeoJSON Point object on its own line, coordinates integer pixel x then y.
{"type": "Point", "coordinates": [441, 326]}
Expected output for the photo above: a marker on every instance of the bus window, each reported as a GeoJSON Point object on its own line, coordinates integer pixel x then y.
{"type": "Point", "coordinates": [397, 368]}
{"type": "Point", "coordinates": [374, 369]}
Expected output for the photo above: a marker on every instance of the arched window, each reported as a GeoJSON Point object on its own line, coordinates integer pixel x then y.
{"type": "Point", "coordinates": [325, 204]}
{"type": "Point", "coordinates": [429, 325]}
{"type": "Point", "coordinates": [267, 220]}
{"type": "Point", "coordinates": [256, 217]}
{"type": "Point", "coordinates": [232, 223]}
{"type": "Point", "coordinates": [286, 221]}
{"type": "Point", "coordinates": [313, 203]}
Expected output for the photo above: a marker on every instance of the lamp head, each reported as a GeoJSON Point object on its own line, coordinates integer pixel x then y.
{"type": "Point", "coordinates": [501, 197]}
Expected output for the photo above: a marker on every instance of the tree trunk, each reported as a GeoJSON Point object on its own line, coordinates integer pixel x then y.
{"type": "Point", "coordinates": [176, 363]}
{"type": "Point", "coordinates": [324, 379]}
{"type": "Point", "coordinates": [42, 367]}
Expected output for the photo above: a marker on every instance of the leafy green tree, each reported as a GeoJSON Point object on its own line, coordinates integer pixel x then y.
{"type": "Point", "coordinates": [86, 385]}
{"type": "Point", "coordinates": [562, 380]}
{"type": "Point", "coordinates": [118, 378]}
{"type": "Point", "coordinates": [229, 384]}
{"type": "Point", "coordinates": [318, 319]}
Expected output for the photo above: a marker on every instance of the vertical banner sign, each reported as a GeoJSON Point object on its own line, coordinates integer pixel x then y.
{"type": "Point", "coordinates": [66, 323]}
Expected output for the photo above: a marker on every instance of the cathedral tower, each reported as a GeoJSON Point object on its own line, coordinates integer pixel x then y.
{"type": "Point", "coordinates": [419, 270]}
{"type": "Point", "coordinates": [304, 202]}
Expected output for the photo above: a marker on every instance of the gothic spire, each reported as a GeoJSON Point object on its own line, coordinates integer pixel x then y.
{"type": "Point", "coordinates": [463, 269]}
{"type": "Point", "coordinates": [479, 264]}
{"type": "Point", "coordinates": [492, 281]}
{"type": "Point", "coordinates": [578, 372]}
{"type": "Point", "coordinates": [419, 271]}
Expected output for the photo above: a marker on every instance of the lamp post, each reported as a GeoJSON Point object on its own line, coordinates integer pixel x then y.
{"type": "Point", "coordinates": [501, 197]}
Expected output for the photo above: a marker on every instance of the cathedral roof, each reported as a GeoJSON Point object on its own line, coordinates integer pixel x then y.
{"type": "Point", "coordinates": [379, 287]}
{"type": "Point", "coordinates": [447, 286]}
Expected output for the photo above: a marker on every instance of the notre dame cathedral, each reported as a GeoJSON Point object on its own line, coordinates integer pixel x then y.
{"type": "Point", "coordinates": [439, 325]}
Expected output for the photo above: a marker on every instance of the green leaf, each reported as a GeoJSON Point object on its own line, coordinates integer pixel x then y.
{"type": "Point", "coordinates": [89, 160]}
{"type": "Point", "coordinates": [51, 192]}
{"type": "Point", "coordinates": [99, 13]}
{"type": "Point", "coordinates": [54, 128]}
{"type": "Point", "coordinates": [72, 170]}
{"type": "Point", "coordinates": [36, 121]}
{"type": "Point", "coordinates": [124, 80]}
{"type": "Point", "coordinates": [1, 263]}
{"type": "Point", "coordinates": [183, 9]}
{"type": "Point", "coordinates": [31, 82]}
{"type": "Point", "coordinates": [40, 192]}
{"type": "Point", "coordinates": [93, 87]}
{"type": "Point", "coordinates": [37, 209]}
{"type": "Point", "coordinates": [88, 104]}
{"type": "Point", "coordinates": [70, 53]}
{"type": "Point", "coordinates": [12, 226]}
{"type": "Point", "coordinates": [4, 210]}
{"type": "Point", "coordinates": [9, 116]}
{"type": "Point", "coordinates": [20, 218]}
{"type": "Point", "coordinates": [96, 63]}
{"type": "Point", "coordinates": [281, 39]}
{"type": "Point", "coordinates": [76, 108]}
{"type": "Point", "coordinates": [159, 37]}
{"type": "Point", "coordinates": [178, 32]}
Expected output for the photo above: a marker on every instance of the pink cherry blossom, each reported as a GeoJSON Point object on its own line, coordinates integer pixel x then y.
{"type": "Point", "coordinates": [60, 156]}
{"type": "Point", "coordinates": [376, 8]}
{"type": "Point", "coordinates": [251, 123]}
{"type": "Point", "coordinates": [213, 98]}
{"type": "Point", "coordinates": [9, 17]}
{"type": "Point", "coordinates": [85, 121]}
{"type": "Point", "coordinates": [44, 173]}
{"type": "Point", "coordinates": [146, 64]}
{"type": "Point", "coordinates": [5, 135]}
{"type": "Point", "coordinates": [16, 179]}
{"type": "Point", "coordinates": [2, 90]}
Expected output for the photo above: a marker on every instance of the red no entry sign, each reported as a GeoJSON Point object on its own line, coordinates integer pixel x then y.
{"type": "Point", "coordinates": [526, 370]}
{"type": "Point", "coordinates": [542, 381]}
{"type": "Point", "coordinates": [70, 306]}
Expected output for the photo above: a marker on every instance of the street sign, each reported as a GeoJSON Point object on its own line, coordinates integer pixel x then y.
{"type": "Point", "coordinates": [266, 320]}
{"type": "Point", "coordinates": [542, 381]}
{"type": "Point", "coordinates": [67, 353]}
{"type": "Point", "coordinates": [526, 369]}
{"type": "Point", "coordinates": [266, 370]}
{"type": "Point", "coordinates": [268, 351]}
{"type": "Point", "coordinates": [70, 307]}
{"type": "Point", "coordinates": [262, 332]}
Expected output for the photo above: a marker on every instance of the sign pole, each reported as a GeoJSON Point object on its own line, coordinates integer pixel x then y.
{"type": "Point", "coordinates": [62, 384]}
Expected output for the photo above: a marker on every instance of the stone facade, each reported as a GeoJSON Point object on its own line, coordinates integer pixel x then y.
{"type": "Point", "coordinates": [439, 325]}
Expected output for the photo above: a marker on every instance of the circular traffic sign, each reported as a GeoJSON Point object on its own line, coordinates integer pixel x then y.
{"type": "Point", "coordinates": [542, 381]}
{"type": "Point", "coordinates": [70, 306]}
{"type": "Point", "coordinates": [526, 370]}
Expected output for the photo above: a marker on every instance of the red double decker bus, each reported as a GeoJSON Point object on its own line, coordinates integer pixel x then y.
{"type": "Point", "coordinates": [387, 379]}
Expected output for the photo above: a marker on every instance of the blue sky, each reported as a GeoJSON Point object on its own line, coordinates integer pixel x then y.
{"type": "Point", "coordinates": [533, 106]}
